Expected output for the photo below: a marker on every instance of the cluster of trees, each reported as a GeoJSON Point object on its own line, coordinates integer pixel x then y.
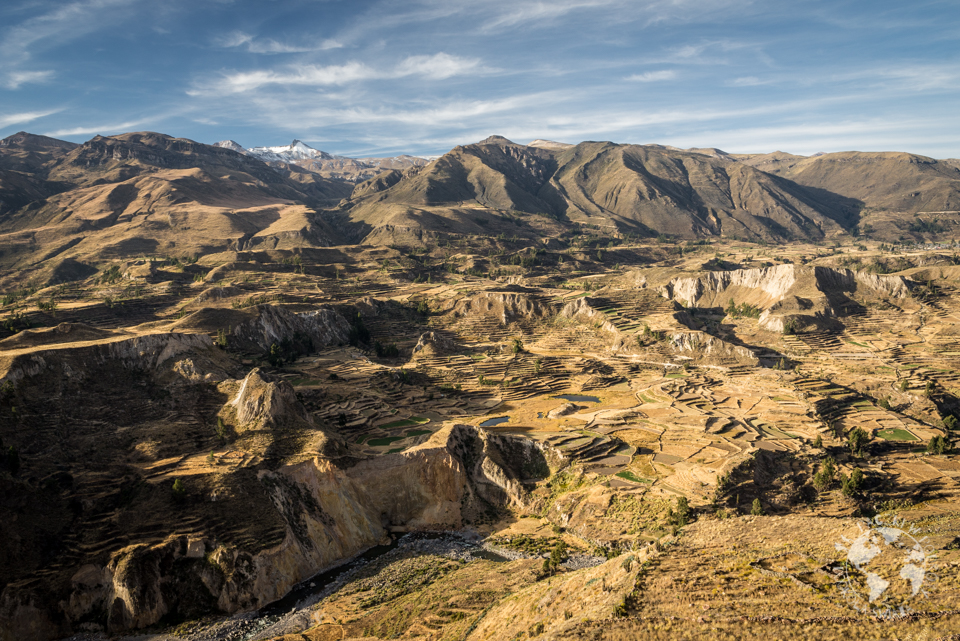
{"type": "Point", "coordinates": [743, 310]}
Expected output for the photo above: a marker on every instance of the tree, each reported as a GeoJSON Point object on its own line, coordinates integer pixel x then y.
{"type": "Point", "coordinates": [939, 445]}
{"type": "Point", "coordinates": [757, 508]}
{"type": "Point", "coordinates": [928, 389]}
{"type": "Point", "coordinates": [850, 485]}
{"type": "Point", "coordinates": [904, 385]}
{"type": "Point", "coordinates": [818, 442]}
{"type": "Point", "coordinates": [682, 516]}
{"type": "Point", "coordinates": [516, 346]}
{"type": "Point", "coordinates": [179, 490]}
{"type": "Point", "coordinates": [857, 439]}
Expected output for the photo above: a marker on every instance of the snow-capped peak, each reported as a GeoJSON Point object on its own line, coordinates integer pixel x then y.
{"type": "Point", "coordinates": [296, 150]}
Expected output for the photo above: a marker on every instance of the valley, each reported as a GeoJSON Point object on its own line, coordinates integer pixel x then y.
{"type": "Point", "coordinates": [550, 391]}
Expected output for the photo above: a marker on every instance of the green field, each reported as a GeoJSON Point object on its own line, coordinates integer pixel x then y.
{"type": "Point", "coordinates": [630, 476]}
{"type": "Point", "coordinates": [406, 422]}
{"type": "Point", "coordinates": [896, 434]}
{"type": "Point", "coordinates": [386, 440]}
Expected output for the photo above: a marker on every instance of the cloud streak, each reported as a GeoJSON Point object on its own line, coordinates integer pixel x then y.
{"type": "Point", "coordinates": [10, 120]}
{"type": "Point", "coordinates": [440, 66]}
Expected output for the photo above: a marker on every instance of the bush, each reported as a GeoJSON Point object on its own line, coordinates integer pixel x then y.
{"type": "Point", "coordinates": [516, 346]}
{"type": "Point", "coordinates": [950, 422]}
{"type": "Point", "coordinates": [904, 385]}
{"type": "Point", "coordinates": [818, 442]}
{"type": "Point", "coordinates": [179, 490]}
{"type": "Point", "coordinates": [757, 508]}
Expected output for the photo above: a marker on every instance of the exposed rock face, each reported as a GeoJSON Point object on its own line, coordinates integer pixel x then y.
{"type": "Point", "coordinates": [509, 307]}
{"type": "Point", "coordinates": [433, 343]}
{"type": "Point", "coordinates": [582, 309]}
{"type": "Point", "coordinates": [140, 352]}
{"type": "Point", "coordinates": [807, 294]}
{"type": "Point", "coordinates": [563, 410]}
{"type": "Point", "coordinates": [275, 324]}
{"type": "Point", "coordinates": [263, 403]}
{"type": "Point", "coordinates": [699, 344]}
{"type": "Point", "coordinates": [331, 513]}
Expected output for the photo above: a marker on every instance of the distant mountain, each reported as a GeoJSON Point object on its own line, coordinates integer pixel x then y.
{"type": "Point", "coordinates": [154, 195]}
{"type": "Point", "coordinates": [892, 181]}
{"type": "Point", "coordinates": [352, 170]}
{"type": "Point", "coordinates": [644, 189]}
{"type": "Point", "coordinates": [151, 194]}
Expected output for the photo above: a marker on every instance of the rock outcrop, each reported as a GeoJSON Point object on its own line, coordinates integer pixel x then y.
{"type": "Point", "coordinates": [785, 293]}
{"type": "Point", "coordinates": [508, 307]}
{"type": "Point", "coordinates": [432, 343]}
{"type": "Point", "coordinates": [331, 512]}
{"type": "Point", "coordinates": [273, 324]}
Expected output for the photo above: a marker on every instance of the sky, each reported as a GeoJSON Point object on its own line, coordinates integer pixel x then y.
{"type": "Point", "coordinates": [382, 77]}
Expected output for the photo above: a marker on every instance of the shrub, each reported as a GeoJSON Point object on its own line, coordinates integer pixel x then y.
{"type": "Point", "coordinates": [222, 340]}
{"type": "Point", "coordinates": [818, 442]}
{"type": "Point", "coordinates": [884, 403]}
{"type": "Point", "coordinates": [950, 422]}
{"type": "Point", "coordinates": [516, 346]}
{"type": "Point", "coordinates": [179, 490]}
{"type": "Point", "coordinates": [928, 389]}
{"type": "Point", "coordinates": [904, 385]}
{"type": "Point", "coordinates": [757, 508]}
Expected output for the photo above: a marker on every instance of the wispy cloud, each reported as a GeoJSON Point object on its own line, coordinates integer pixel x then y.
{"type": "Point", "coordinates": [747, 81]}
{"type": "Point", "coordinates": [66, 22]}
{"type": "Point", "coordinates": [436, 67]}
{"type": "Point", "coordinates": [16, 79]}
{"type": "Point", "coordinates": [120, 127]}
{"type": "Point", "coordinates": [25, 117]}
{"type": "Point", "coordinates": [653, 76]}
{"type": "Point", "coordinates": [270, 46]}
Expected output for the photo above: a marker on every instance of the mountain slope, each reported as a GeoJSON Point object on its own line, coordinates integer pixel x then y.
{"type": "Point", "coordinates": [152, 194]}
{"type": "Point", "coordinates": [892, 181]}
{"type": "Point", "coordinates": [645, 189]}
{"type": "Point", "coordinates": [305, 157]}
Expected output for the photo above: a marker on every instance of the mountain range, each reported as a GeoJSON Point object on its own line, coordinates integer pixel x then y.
{"type": "Point", "coordinates": [339, 167]}
{"type": "Point", "coordinates": [65, 207]}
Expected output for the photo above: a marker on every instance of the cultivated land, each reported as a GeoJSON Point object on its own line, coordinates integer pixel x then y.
{"type": "Point", "coordinates": [631, 436]}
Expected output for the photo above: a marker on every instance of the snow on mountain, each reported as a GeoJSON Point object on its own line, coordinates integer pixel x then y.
{"type": "Point", "coordinates": [338, 167]}
{"type": "Point", "coordinates": [290, 153]}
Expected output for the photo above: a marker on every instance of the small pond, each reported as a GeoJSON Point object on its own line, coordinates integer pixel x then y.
{"type": "Point", "coordinates": [490, 422]}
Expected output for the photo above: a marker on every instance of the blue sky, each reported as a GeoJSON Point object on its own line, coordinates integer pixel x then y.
{"type": "Point", "coordinates": [421, 76]}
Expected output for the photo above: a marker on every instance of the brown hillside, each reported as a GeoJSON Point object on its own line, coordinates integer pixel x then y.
{"type": "Point", "coordinates": [891, 181]}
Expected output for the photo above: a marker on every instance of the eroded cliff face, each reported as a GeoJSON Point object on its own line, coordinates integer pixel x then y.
{"type": "Point", "coordinates": [273, 324]}
{"type": "Point", "coordinates": [807, 295]}
{"type": "Point", "coordinates": [332, 511]}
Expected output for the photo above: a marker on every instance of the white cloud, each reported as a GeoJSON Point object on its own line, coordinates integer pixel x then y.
{"type": "Point", "coordinates": [68, 21]}
{"type": "Point", "coordinates": [122, 127]}
{"type": "Point", "coordinates": [437, 67]}
{"type": "Point", "coordinates": [653, 76]}
{"type": "Point", "coordinates": [747, 81]}
{"type": "Point", "coordinates": [27, 116]}
{"type": "Point", "coordinates": [17, 78]}
{"type": "Point", "coordinates": [270, 46]}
